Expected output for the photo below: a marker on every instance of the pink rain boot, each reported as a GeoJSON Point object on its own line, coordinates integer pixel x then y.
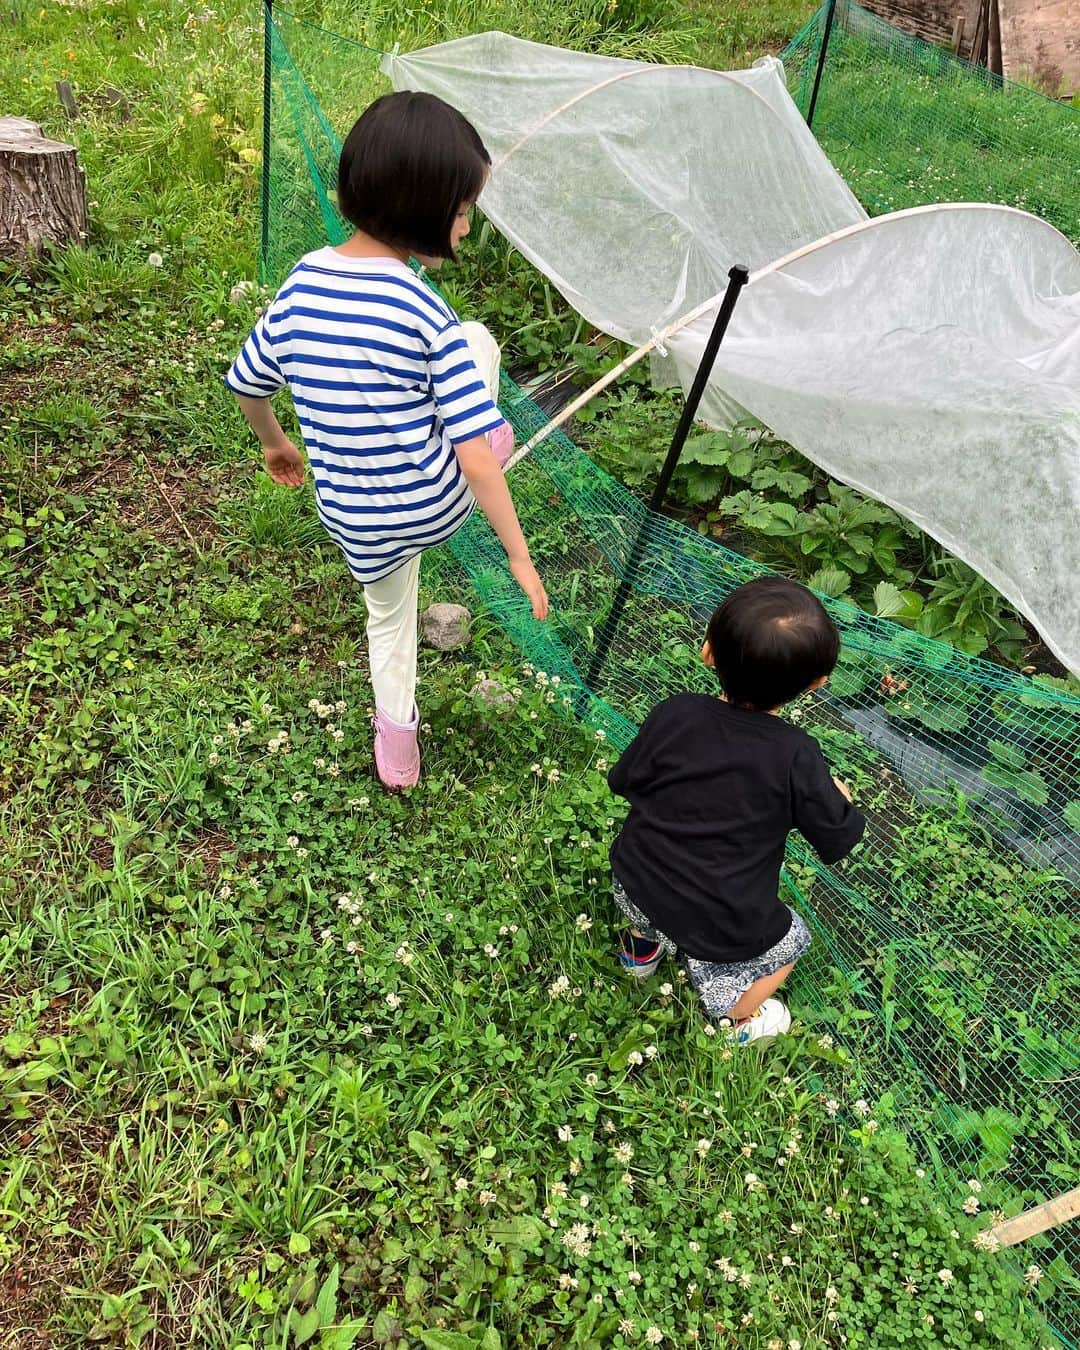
{"type": "Point", "coordinates": [397, 755]}
{"type": "Point", "coordinates": [501, 441]}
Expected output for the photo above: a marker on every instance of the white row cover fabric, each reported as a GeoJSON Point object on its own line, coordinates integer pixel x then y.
{"type": "Point", "coordinates": [929, 358]}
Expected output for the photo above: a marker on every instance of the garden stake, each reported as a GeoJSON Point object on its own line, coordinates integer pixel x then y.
{"type": "Point", "coordinates": [737, 279]}
{"type": "Point", "coordinates": [1034, 1221]}
{"type": "Point", "coordinates": [268, 22]}
{"type": "Point", "coordinates": [822, 53]}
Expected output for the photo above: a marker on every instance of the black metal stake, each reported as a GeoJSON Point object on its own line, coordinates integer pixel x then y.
{"type": "Point", "coordinates": [268, 24]}
{"type": "Point", "coordinates": [822, 53]}
{"type": "Point", "coordinates": [737, 279]}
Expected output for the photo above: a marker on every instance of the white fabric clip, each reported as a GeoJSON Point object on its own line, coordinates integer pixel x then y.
{"type": "Point", "coordinates": [657, 344]}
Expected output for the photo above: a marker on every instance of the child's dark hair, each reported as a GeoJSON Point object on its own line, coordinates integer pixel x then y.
{"type": "Point", "coordinates": [771, 639]}
{"type": "Point", "coordinates": [407, 167]}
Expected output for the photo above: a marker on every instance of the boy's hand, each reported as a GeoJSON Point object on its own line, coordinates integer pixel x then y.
{"type": "Point", "coordinates": [284, 463]}
{"type": "Point", "coordinates": [843, 787]}
{"type": "Point", "coordinates": [524, 573]}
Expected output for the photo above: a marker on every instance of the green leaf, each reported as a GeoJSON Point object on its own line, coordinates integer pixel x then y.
{"type": "Point", "coordinates": [448, 1340]}
{"type": "Point", "coordinates": [299, 1245]}
{"type": "Point", "coordinates": [422, 1146]}
{"type": "Point", "coordinates": [1006, 753]}
{"type": "Point", "coordinates": [326, 1303]}
{"type": "Point", "coordinates": [888, 600]}
{"type": "Point", "coordinates": [491, 1340]}
{"type": "Point", "coordinates": [1071, 812]}
{"type": "Point", "coordinates": [831, 581]}
{"type": "Point", "coordinates": [343, 1337]}
{"type": "Point", "coordinates": [303, 1325]}
{"type": "Point", "coordinates": [522, 1230]}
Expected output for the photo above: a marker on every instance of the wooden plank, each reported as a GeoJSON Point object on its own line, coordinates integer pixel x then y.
{"type": "Point", "coordinates": [1034, 1221]}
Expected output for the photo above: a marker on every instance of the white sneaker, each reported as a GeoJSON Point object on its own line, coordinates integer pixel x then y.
{"type": "Point", "coordinates": [771, 1019]}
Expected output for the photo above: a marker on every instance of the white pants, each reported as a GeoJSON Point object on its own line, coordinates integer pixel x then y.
{"type": "Point", "coordinates": [392, 603]}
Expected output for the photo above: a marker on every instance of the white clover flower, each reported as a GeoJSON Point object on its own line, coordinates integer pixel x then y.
{"type": "Point", "coordinates": [553, 775]}
{"type": "Point", "coordinates": [971, 1205]}
{"type": "Point", "coordinates": [339, 736]}
{"type": "Point", "coordinates": [213, 758]}
{"type": "Point", "coordinates": [301, 853]}
{"type": "Point", "coordinates": [353, 948]}
{"type": "Point", "coordinates": [591, 1079]}
{"type": "Point", "coordinates": [627, 1180]}
{"type": "Point", "coordinates": [404, 955]}
{"type": "Point", "coordinates": [975, 1187]}
{"type": "Point", "coordinates": [667, 989]}
{"type": "Point", "coordinates": [567, 1281]}
{"type": "Point", "coordinates": [559, 1189]}
{"type": "Point", "coordinates": [537, 770]}
{"type": "Point", "coordinates": [862, 1107]}
{"type": "Point", "coordinates": [155, 260]}
{"type": "Point", "coordinates": [490, 950]}
{"type": "Point", "coordinates": [635, 1058]}
{"type": "Point", "coordinates": [367, 1029]}
{"type": "Point", "coordinates": [623, 1152]}
{"type": "Point", "coordinates": [584, 1201]}
{"type": "Point", "coordinates": [298, 797]}
{"type": "Point", "coordinates": [583, 923]}
{"type": "Point", "coordinates": [486, 1197]}
{"type": "Point", "coordinates": [257, 1042]}
{"type": "Point", "coordinates": [559, 987]}
{"type": "Point", "coordinates": [627, 1326]}
{"type": "Point", "coordinates": [745, 1279]}
{"type": "Point", "coordinates": [654, 1335]}
{"type": "Point", "coordinates": [634, 1276]}
{"type": "Point", "coordinates": [703, 1146]}
{"type": "Point", "coordinates": [826, 1042]}
{"type": "Point", "coordinates": [1032, 1276]}
{"type": "Point", "coordinates": [920, 1172]}
{"type": "Point", "coordinates": [946, 1276]}
{"type": "Point", "coordinates": [979, 1315]}
{"type": "Point", "coordinates": [461, 1185]}
{"type": "Point", "coordinates": [601, 766]}
{"type": "Point", "coordinates": [393, 1001]}
{"type": "Point", "coordinates": [575, 1167]}
{"type": "Point", "coordinates": [831, 1106]}
{"type": "Point", "coordinates": [565, 1133]}
{"type": "Point", "coordinates": [651, 1052]}
{"type": "Point", "coordinates": [576, 1239]}
{"type": "Point", "coordinates": [709, 1029]}
{"type": "Point", "coordinates": [753, 1182]}
{"type": "Point", "coordinates": [292, 840]}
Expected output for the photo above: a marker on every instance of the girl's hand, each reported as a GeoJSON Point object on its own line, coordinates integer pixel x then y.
{"type": "Point", "coordinates": [843, 787]}
{"type": "Point", "coordinates": [524, 573]}
{"type": "Point", "coordinates": [284, 463]}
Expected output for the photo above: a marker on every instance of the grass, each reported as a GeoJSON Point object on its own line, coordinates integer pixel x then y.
{"type": "Point", "coordinates": [256, 1088]}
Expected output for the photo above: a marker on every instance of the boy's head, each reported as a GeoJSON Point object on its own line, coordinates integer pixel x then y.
{"type": "Point", "coordinates": [408, 168]}
{"type": "Point", "coordinates": [769, 642]}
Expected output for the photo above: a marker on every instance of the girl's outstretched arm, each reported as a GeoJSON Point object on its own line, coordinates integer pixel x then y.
{"type": "Point", "coordinates": [284, 462]}
{"type": "Point", "coordinates": [488, 484]}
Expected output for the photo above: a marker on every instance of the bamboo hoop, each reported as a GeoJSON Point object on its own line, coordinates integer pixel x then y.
{"type": "Point", "coordinates": [657, 340]}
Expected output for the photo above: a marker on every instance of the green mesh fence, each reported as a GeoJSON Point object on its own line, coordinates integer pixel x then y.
{"type": "Point", "coordinates": [946, 948]}
{"type": "Point", "coordinates": [907, 123]}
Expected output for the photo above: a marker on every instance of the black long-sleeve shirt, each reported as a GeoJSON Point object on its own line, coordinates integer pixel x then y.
{"type": "Point", "coordinates": [714, 791]}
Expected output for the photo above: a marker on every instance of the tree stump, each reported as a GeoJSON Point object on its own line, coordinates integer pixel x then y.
{"type": "Point", "coordinates": [42, 190]}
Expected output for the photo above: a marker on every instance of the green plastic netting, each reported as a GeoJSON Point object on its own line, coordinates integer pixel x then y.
{"type": "Point", "coordinates": [907, 123]}
{"type": "Point", "coordinates": [946, 951]}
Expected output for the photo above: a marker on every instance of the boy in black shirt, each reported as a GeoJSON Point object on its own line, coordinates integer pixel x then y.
{"type": "Point", "coordinates": [714, 786]}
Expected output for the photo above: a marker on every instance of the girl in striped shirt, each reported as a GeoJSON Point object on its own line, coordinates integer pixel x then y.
{"type": "Point", "coordinates": [395, 396]}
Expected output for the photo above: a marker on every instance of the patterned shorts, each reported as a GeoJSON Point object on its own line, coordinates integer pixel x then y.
{"type": "Point", "coordinates": [720, 986]}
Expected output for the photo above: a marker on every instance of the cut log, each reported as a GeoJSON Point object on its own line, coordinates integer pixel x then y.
{"type": "Point", "coordinates": [42, 190]}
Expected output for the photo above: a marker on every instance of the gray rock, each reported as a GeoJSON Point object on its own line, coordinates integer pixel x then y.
{"type": "Point", "coordinates": [495, 695]}
{"type": "Point", "coordinates": [445, 626]}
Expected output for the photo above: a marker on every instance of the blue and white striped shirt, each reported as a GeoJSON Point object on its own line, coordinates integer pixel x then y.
{"type": "Point", "coordinates": [384, 387]}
